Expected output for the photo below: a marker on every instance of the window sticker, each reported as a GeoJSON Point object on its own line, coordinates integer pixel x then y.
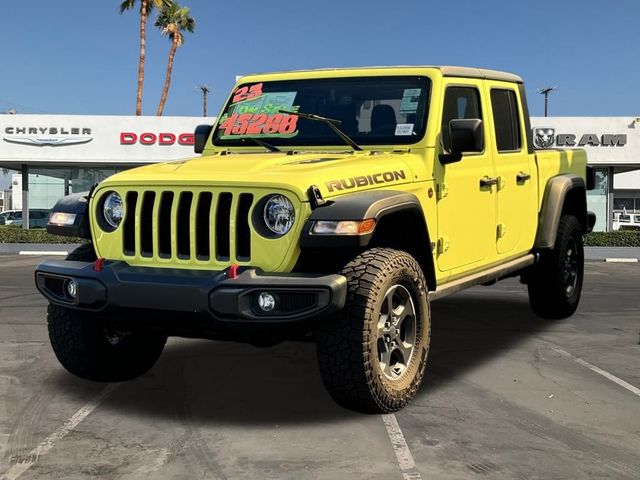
{"type": "Point", "coordinates": [404, 129]}
{"type": "Point", "coordinates": [259, 124]}
{"type": "Point", "coordinates": [410, 100]}
{"type": "Point", "coordinates": [247, 93]}
{"type": "Point", "coordinates": [271, 102]}
{"type": "Point", "coordinates": [260, 116]}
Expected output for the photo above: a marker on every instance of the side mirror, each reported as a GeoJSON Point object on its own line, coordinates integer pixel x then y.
{"type": "Point", "coordinates": [467, 136]}
{"type": "Point", "coordinates": [200, 137]}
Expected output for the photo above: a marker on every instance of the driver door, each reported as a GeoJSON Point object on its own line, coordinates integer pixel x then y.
{"type": "Point", "coordinates": [466, 207]}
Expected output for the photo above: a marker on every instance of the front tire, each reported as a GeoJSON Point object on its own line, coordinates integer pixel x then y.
{"type": "Point", "coordinates": [555, 284]}
{"type": "Point", "coordinates": [372, 356]}
{"type": "Point", "coordinates": [94, 348]}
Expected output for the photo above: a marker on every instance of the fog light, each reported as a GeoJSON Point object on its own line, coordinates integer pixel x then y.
{"type": "Point", "coordinates": [266, 302]}
{"type": "Point", "coordinates": [72, 288]}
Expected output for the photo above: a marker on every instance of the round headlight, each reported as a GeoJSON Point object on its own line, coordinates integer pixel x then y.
{"type": "Point", "coordinates": [112, 209]}
{"type": "Point", "coordinates": [278, 214]}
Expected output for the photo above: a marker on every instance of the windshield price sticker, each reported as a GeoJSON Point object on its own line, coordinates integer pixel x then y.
{"type": "Point", "coordinates": [410, 100]}
{"type": "Point", "coordinates": [268, 102]}
{"type": "Point", "coordinates": [247, 93]}
{"type": "Point", "coordinates": [259, 124]}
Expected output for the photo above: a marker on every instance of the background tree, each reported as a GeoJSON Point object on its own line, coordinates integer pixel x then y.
{"type": "Point", "coordinates": [145, 8]}
{"type": "Point", "coordinates": [172, 21]}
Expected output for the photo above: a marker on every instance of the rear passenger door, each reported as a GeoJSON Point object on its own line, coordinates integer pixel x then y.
{"type": "Point", "coordinates": [515, 169]}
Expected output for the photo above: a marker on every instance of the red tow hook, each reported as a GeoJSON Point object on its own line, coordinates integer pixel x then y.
{"type": "Point", "coordinates": [233, 271]}
{"type": "Point", "coordinates": [98, 265]}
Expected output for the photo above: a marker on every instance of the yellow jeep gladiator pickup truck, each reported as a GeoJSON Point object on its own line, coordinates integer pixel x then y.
{"type": "Point", "coordinates": [327, 205]}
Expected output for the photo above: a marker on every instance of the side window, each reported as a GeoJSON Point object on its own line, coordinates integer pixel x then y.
{"type": "Point", "coordinates": [506, 120]}
{"type": "Point", "coordinates": [459, 102]}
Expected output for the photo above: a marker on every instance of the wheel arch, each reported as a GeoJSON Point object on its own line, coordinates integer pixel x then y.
{"type": "Point", "coordinates": [392, 210]}
{"type": "Point", "coordinates": [78, 205]}
{"type": "Point", "coordinates": [564, 194]}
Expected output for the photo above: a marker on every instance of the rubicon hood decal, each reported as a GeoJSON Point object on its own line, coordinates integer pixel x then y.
{"type": "Point", "coordinates": [365, 180]}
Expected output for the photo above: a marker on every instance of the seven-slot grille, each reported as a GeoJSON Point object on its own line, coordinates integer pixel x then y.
{"type": "Point", "coordinates": [187, 225]}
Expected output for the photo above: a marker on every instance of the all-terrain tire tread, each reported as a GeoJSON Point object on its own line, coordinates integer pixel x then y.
{"type": "Point", "coordinates": [79, 341]}
{"type": "Point", "coordinates": [545, 288]}
{"type": "Point", "coordinates": [79, 344]}
{"type": "Point", "coordinates": [344, 361]}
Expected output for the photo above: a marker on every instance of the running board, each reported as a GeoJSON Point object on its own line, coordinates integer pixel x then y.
{"type": "Point", "coordinates": [489, 275]}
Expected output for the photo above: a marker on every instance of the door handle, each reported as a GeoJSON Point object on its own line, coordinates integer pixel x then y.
{"type": "Point", "coordinates": [523, 177]}
{"type": "Point", "coordinates": [488, 181]}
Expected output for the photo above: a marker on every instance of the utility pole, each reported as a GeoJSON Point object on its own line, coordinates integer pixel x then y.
{"type": "Point", "coordinates": [546, 91]}
{"type": "Point", "coordinates": [205, 91]}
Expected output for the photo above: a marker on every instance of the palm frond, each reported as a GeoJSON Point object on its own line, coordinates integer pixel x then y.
{"type": "Point", "coordinates": [173, 19]}
{"type": "Point", "coordinates": [127, 5]}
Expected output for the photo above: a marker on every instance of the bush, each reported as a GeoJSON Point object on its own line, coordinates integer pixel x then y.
{"type": "Point", "coordinates": [14, 234]}
{"type": "Point", "coordinates": [626, 238]}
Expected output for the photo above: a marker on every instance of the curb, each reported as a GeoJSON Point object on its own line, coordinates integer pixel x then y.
{"type": "Point", "coordinates": [621, 260]}
{"type": "Point", "coordinates": [41, 252]}
{"type": "Point", "coordinates": [37, 248]}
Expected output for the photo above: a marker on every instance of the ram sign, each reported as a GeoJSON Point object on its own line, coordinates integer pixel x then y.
{"type": "Point", "coordinates": [608, 141]}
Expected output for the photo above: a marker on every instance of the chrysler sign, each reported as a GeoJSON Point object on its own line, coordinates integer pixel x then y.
{"type": "Point", "coordinates": [47, 136]}
{"type": "Point", "coordinates": [546, 137]}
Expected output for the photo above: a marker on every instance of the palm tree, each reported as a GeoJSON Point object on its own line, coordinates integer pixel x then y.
{"type": "Point", "coordinates": [172, 20]}
{"type": "Point", "coordinates": [145, 8]}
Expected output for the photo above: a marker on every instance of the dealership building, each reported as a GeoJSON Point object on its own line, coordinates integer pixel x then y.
{"type": "Point", "coordinates": [55, 155]}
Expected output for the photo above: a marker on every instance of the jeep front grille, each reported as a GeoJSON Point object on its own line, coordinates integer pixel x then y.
{"type": "Point", "coordinates": [186, 225]}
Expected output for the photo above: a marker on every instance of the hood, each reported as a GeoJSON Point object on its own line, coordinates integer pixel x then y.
{"type": "Point", "coordinates": [333, 173]}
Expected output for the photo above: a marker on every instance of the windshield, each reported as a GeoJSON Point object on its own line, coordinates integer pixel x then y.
{"type": "Point", "coordinates": [371, 111]}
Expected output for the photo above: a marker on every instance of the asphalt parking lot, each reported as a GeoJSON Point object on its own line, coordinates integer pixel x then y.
{"type": "Point", "coordinates": [506, 396]}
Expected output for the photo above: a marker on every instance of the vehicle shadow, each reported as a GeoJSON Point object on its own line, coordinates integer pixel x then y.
{"type": "Point", "coordinates": [471, 328]}
{"type": "Point", "coordinates": [222, 383]}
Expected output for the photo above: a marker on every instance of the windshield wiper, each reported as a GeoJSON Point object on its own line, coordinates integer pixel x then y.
{"type": "Point", "coordinates": [262, 143]}
{"type": "Point", "coordinates": [329, 122]}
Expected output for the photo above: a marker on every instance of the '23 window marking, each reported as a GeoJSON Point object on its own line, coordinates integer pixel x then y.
{"type": "Point", "coordinates": [257, 123]}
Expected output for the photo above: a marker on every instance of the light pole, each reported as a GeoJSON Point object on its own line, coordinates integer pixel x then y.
{"type": "Point", "coordinates": [546, 91]}
{"type": "Point", "coordinates": [205, 91]}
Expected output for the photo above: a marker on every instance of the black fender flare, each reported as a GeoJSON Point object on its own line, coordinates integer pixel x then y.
{"type": "Point", "coordinates": [559, 190]}
{"type": "Point", "coordinates": [78, 204]}
{"type": "Point", "coordinates": [377, 204]}
{"type": "Point", "coordinates": [355, 206]}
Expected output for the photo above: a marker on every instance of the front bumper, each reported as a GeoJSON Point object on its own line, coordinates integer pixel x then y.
{"type": "Point", "coordinates": [211, 294]}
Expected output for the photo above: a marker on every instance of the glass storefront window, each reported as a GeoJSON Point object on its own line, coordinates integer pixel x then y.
{"type": "Point", "coordinates": [48, 185]}
{"type": "Point", "coordinates": [597, 199]}
{"type": "Point", "coordinates": [623, 204]}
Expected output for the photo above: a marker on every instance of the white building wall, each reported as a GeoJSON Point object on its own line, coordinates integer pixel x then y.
{"type": "Point", "coordinates": [627, 181]}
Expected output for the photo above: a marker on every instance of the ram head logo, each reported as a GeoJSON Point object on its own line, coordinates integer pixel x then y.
{"type": "Point", "coordinates": [543, 137]}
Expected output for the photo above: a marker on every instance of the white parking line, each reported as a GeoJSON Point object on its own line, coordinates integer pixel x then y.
{"type": "Point", "coordinates": [400, 448]}
{"type": "Point", "coordinates": [633, 389]}
{"type": "Point", "coordinates": [621, 260]}
{"type": "Point", "coordinates": [41, 252]}
{"type": "Point", "coordinates": [68, 426]}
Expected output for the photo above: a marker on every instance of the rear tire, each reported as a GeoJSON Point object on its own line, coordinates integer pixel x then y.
{"type": "Point", "coordinates": [555, 284]}
{"type": "Point", "coordinates": [372, 355]}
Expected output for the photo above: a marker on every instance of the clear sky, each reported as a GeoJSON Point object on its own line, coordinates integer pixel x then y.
{"type": "Point", "coordinates": [80, 57]}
